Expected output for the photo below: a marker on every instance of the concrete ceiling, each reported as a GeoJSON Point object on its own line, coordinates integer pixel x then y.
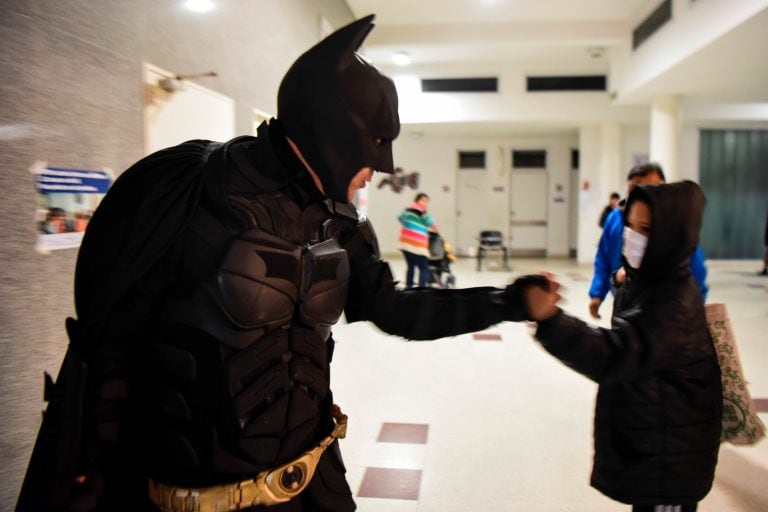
{"type": "Point", "coordinates": [464, 37]}
{"type": "Point", "coordinates": [421, 12]}
{"type": "Point", "coordinates": [461, 32]}
{"type": "Point", "coordinates": [732, 69]}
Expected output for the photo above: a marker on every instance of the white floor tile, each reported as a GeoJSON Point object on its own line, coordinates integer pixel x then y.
{"type": "Point", "coordinates": [510, 428]}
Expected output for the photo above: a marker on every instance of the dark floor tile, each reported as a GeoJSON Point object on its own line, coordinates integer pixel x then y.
{"type": "Point", "coordinates": [391, 483]}
{"type": "Point", "coordinates": [412, 433]}
{"type": "Point", "coordinates": [486, 337]}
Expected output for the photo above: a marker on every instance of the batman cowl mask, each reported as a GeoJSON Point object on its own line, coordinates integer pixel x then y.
{"type": "Point", "coordinates": [339, 110]}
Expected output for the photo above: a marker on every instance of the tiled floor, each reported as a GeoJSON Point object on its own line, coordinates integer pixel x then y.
{"type": "Point", "coordinates": [409, 433]}
{"type": "Point", "coordinates": [391, 483]}
{"type": "Point", "coordinates": [464, 425]}
{"type": "Point", "coordinates": [484, 336]}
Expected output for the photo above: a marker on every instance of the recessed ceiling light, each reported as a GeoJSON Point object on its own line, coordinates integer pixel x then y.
{"type": "Point", "coordinates": [401, 58]}
{"type": "Point", "coordinates": [199, 5]}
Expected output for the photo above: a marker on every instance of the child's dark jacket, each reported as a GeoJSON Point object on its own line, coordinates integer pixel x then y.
{"type": "Point", "coordinates": [659, 404]}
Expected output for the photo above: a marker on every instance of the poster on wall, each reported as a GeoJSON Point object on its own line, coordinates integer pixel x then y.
{"type": "Point", "coordinates": [66, 200]}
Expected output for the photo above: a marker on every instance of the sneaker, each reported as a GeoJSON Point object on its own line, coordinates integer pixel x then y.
{"type": "Point", "coordinates": [763, 272]}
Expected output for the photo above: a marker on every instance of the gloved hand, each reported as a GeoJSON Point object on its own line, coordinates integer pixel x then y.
{"type": "Point", "coordinates": [514, 296]}
{"type": "Point", "coordinates": [541, 301]}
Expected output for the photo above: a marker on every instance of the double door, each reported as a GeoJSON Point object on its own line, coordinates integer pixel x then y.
{"type": "Point", "coordinates": [521, 216]}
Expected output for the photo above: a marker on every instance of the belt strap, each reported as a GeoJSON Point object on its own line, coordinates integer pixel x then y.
{"type": "Point", "coordinates": [270, 487]}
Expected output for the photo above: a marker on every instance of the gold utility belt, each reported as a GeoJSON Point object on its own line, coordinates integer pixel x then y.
{"type": "Point", "coordinates": [269, 487]}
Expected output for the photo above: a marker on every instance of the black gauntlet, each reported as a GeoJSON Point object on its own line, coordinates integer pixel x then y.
{"type": "Point", "coordinates": [512, 298]}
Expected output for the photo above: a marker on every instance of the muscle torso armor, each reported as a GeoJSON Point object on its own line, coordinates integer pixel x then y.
{"type": "Point", "coordinates": [240, 365]}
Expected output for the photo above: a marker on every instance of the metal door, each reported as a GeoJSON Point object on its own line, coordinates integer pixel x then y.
{"type": "Point", "coordinates": [528, 213]}
{"type": "Point", "coordinates": [471, 196]}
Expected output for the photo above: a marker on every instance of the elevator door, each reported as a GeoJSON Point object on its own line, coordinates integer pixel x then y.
{"type": "Point", "coordinates": [734, 177]}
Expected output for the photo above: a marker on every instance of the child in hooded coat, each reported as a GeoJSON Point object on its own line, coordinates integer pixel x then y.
{"type": "Point", "coordinates": [659, 403]}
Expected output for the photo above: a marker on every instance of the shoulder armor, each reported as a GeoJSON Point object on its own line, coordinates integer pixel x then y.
{"type": "Point", "coordinates": [345, 210]}
{"type": "Point", "coordinates": [369, 235]}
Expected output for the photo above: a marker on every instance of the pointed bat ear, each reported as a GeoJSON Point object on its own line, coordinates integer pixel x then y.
{"type": "Point", "coordinates": [347, 40]}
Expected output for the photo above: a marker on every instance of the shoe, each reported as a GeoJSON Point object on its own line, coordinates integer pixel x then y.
{"type": "Point", "coordinates": [763, 272]}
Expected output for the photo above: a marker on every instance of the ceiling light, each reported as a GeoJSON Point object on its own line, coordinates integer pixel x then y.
{"type": "Point", "coordinates": [401, 58]}
{"type": "Point", "coordinates": [199, 5]}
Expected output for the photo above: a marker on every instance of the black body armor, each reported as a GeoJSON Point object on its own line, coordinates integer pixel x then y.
{"type": "Point", "coordinates": [257, 329]}
{"type": "Point", "coordinates": [238, 378]}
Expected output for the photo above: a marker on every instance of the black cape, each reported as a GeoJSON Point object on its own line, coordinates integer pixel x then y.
{"type": "Point", "coordinates": [138, 220]}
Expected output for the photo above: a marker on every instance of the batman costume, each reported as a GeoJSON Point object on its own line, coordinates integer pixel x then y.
{"type": "Point", "coordinates": [197, 376]}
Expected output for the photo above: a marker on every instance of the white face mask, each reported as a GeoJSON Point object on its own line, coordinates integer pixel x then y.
{"type": "Point", "coordinates": [634, 247]}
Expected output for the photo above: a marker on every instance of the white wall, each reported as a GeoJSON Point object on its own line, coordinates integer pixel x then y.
{"type": "Point", "coordinates": [436, 160]}
{"type": "Point", "coordinates": [559, 195]}
{"type": "Point", "coordinates": [689, 154]}
{"type": "Point", "coordinates": [635, 144]}
{"type": "Point", "coordinates": [606, 156]}
{"type": "Point", "coordinates": [436, 165]}
{"type": "Point", "coordinates": [609, 160]}
{"type": "Point", "coordinates": [590, 200]}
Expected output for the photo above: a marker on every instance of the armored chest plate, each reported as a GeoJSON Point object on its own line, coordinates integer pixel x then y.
{"type": "Point", "coordinates": [265, 282]}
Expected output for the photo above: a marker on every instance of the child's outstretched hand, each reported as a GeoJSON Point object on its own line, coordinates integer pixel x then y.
{"type": "Point", "coordinates": [541, 302]}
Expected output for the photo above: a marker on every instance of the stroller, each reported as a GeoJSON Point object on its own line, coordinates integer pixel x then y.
{"type": "Point", "coordinates": [440, 258]}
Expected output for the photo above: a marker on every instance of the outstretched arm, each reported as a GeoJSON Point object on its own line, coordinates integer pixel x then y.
{"type": "Point", "coordinates": [600, 354]}
{"type": "Point", "coordinates": [424, 313]}
{"type": "Point", "coordinates": [603, 355]}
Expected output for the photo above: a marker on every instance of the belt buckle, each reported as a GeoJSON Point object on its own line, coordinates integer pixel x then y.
{"type": "Point", "coordinates": [290, 480]}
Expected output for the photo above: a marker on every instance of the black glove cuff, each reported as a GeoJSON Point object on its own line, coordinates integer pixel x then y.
{"type": "Point", "coordinates": [512, 298]}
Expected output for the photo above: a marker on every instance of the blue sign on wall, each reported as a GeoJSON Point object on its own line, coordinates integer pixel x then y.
{"type": "Point", "coordinates": [55, 180]}
{"type": "Point", "coordinates": [66, 200]}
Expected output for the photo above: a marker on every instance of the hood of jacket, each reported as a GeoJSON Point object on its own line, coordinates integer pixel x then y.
{"type": "Point", "coordinates": [677, 210]}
